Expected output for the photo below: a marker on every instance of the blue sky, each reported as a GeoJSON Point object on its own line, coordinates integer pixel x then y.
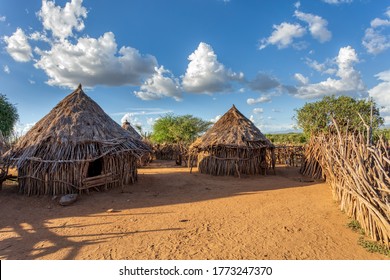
{"type": "Point", "coordinates": [141, 59]}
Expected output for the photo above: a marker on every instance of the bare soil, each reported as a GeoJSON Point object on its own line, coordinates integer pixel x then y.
{"type": "Point", "coordinates": [172, 214]}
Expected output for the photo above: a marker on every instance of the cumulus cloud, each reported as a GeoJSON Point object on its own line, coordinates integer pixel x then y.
{"type": "Point", "coordinates": [68, 61]}
{"type": "Point", "coordinates": [205, 74]}
{"type": "Point", "coordinates": [94, 61]}
{"type": "Point", "coordinates": [18, 47]}
{"type": "Point", "coordinates": [377, 37]}
{"type": "Point", "coordinates": [317, 26]}
{"type": "Point", "coordinates": [161, 84]}
{"type": "Point", "coordinates": [261, 99]}
{"type": "Point", "coordinates": [349, 81]}
{"type": "Point", "coordinates": [380, 93]}
{"type": "Point", "coordinates": [61, 21]}
{"type": "Point", "coordinates": [337, 1]}
{"type": "Point", "coordinates": [283, 35]}
{"type": "Point", "coordinates": [2, 18]}
{"type": "Point", "coordinates": [324, 68]}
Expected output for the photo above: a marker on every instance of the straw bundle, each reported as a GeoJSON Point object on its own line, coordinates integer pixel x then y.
{"type": "Point", "coordinates": [75, 142]}
{"type": "Point", "coordinates": [233, 146]}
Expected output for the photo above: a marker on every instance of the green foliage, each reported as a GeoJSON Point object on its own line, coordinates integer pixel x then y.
{"type": "Point", "coordinates": [371, 246]}
{"type": "Point", "coordinates": [317, 116]}
{"type": "Point", "coordinates": [287, 138]}
{"type": "Point", "coordinates": [178, 129]}
{"type": "Point", "coordinates": [8, 116]}
{"type": "Point", "coordinates": [355, 226]}
{"type": "Point", "coordinates": [374, 247]}
{"type": "Point", "coordinates": [385, 132]}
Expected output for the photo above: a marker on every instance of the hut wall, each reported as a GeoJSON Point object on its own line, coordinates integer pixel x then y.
{"type": "Point", "coordinates": [37, 178]}
{"type": "Point", "coordinates": [233, 161]}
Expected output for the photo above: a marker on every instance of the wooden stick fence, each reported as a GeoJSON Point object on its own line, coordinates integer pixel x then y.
{"type": "Point", "coordinates": [359, 176]}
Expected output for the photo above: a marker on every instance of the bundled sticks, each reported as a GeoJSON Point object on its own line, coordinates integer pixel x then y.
{"type": "Point", "coordinates": [359, 176]}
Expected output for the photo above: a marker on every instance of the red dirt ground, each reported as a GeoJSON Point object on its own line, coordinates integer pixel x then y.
{"type": "Point", "coordinates": [172, 214]}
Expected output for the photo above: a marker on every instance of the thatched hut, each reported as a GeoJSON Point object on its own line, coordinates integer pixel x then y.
{"type": "Point", "coordinates": [75, 147]}
{"type": "Point", "coordinates": [233, 146]}
{"type": "Point", "coordinates": [127, 126]}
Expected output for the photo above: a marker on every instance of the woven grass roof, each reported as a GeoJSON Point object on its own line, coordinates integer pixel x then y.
{"type": "Point", "coordinates": [233, 130]}
{"type": "Point", "coordinates": [76, 129]}
{"type": "Point", "coordinates": [126, 125]}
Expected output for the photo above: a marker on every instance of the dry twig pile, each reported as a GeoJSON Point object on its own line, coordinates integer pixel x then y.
{"type": "Point", "coordinates": [359, 175]}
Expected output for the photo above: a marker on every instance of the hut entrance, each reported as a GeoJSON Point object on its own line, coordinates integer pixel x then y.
{"type": "Point", "coordinates": [95, 168]}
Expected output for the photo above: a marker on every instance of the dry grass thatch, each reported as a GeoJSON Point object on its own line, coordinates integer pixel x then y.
{"type": "Point", "coordinates": [233, 146]}
{"type": "Point", "coordinates": [75, 147]}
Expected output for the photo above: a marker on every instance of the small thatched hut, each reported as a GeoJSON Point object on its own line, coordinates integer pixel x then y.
{"type": "Point", "coordinates": [75, 147]}
{"type": "Point", "coordinates": [127, 126]}
{"type": "Point", "coordinates": [233, 146]}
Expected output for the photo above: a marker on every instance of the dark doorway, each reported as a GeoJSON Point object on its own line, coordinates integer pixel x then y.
{"type": "Point", "coordinates": [95, 168]}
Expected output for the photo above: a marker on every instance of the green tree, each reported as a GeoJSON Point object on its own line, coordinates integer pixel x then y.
{"type": "Point", "coordinates": [178, 129]}
{"type": "Point", "coordinates": [317, 116]}
{"type": "Point", "coordinates": [8, 116]}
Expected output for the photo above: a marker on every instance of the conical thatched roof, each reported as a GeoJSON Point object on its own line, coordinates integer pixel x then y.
{"type": "Point", "coordinates": [76, 129]}
{"type": "Point", "coordinates": [127, 126]}
{"type": "Point", "coordinates": [233, 129]}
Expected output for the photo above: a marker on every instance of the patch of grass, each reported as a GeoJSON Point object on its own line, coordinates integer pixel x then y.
{"type": "Point", "coordinates": [355, 226]}
{"type": "Point", "coordinates": [374, 247]}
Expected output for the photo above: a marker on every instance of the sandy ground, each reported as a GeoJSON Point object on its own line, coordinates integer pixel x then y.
{"type": "Point", "coordinates": [172, 214]}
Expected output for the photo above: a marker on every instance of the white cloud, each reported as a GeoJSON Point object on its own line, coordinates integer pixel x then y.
{"type": "Point", "coordinates": [161, 84]}
{"type": "Point", "coordinates": [337, 1]}
{"type": "Point", "coordinates": [6, 69]}
{"type": "Point", "coordinates": [317, 26]}
{"type": "Point", "coordinates": [377, 37]}
{"type": "Point", "coordinates": [380, 93]}
{"type": "Point", "coordinates": [258, 110]}
{"type": "Point", "coordinates": [22, 128]}
{"type": "Point", "coordinates": [39, 36]}
{"type": "Point", "coordinates": [132, 119]}
{"type": "Point", "coordinates": [94, 61]}
{"type": "Point", "coordinates": [349, 81]}
{"type": "Point", "coordinates": [378, 22]}
{"type": "Point", "coordinates": [302, 80]}
{"type": "Point", "coordinates": [283, 35]}
{"type": "Point", "coordinates": [324, 68]}
{"type": "Point", "coordinates": [18, 47]}
{"type": "Point", "coordinates": [261, 99]}
{"type": "Point", "coordinates": [205, 74]}
{"type": "Point", "coordinates": [214, 120]}
{"type": "Point", "coordinates": [3, 18]}
{"type": "Point", "coordinates": [62, 21]}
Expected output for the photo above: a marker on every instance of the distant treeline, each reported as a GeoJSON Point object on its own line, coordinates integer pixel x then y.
{"type": "Point", "coordinates": [292, 138]}
{"type": "Point", "coordinates": [385, 132]}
